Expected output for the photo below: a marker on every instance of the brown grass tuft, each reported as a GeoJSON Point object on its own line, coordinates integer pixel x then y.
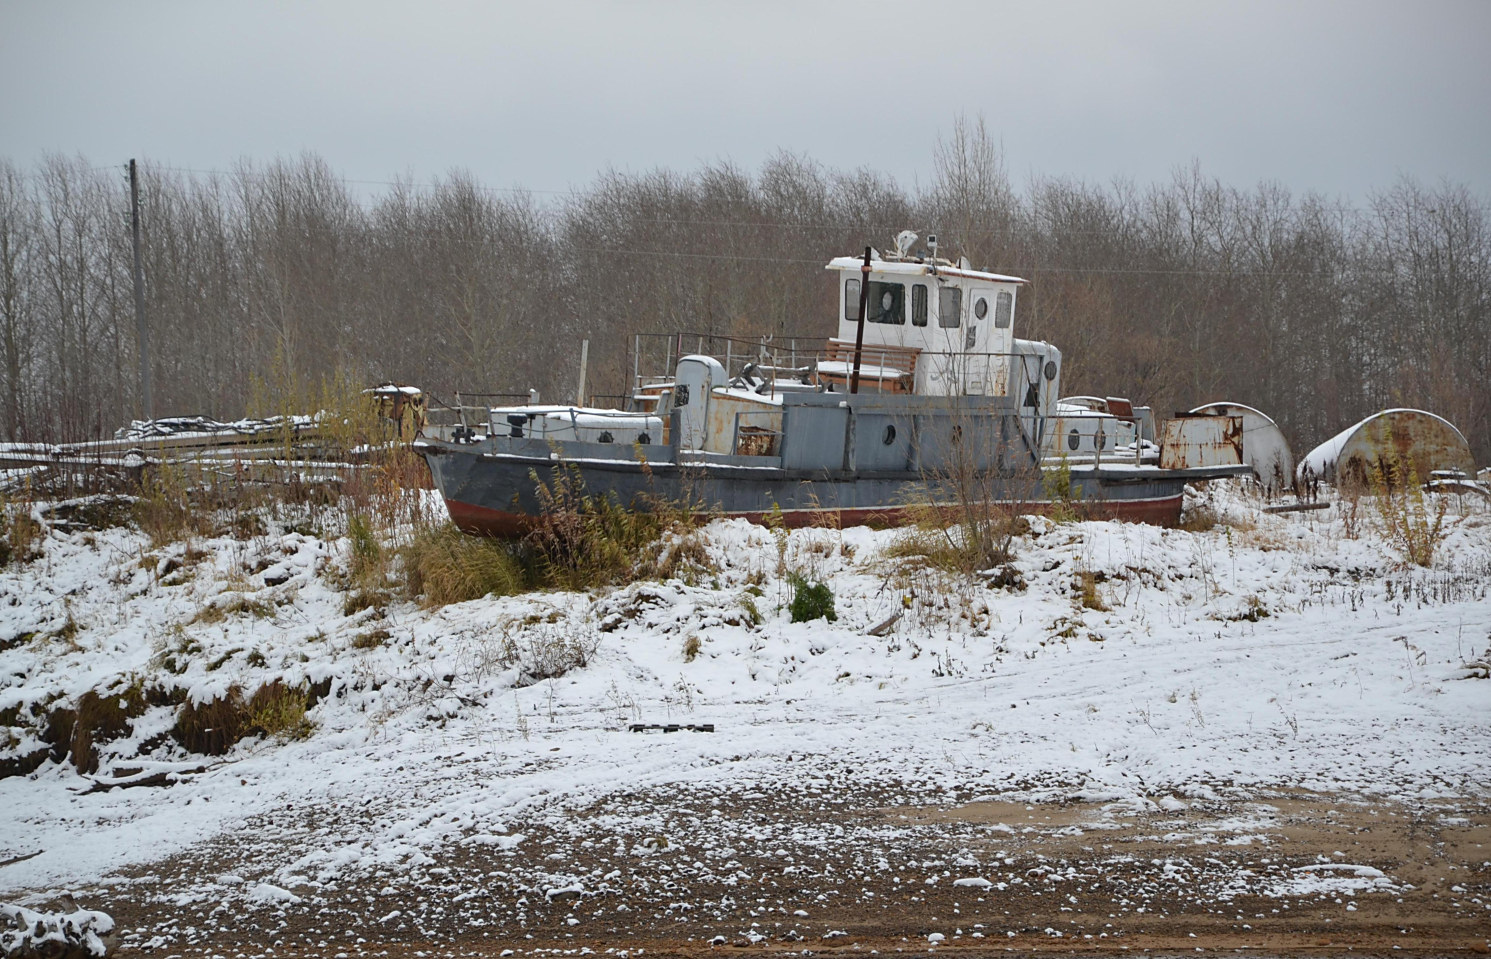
{"type": "Point", "coordinates": [442, 565]}
{"type": "Point", "coordinates": [278, 710]}
{"type": "Point", "coordinates": [213, 727]}
{"type": "Point", "coordinates": [102, 717]}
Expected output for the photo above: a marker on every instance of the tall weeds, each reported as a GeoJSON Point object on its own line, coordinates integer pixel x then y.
{"type": "Point", "coordinates": [20, 533]}
{"type": "Point", "coordinates": [1410, 524]}
{"type": "Point", "coordinates": [442, 565]}
{"type": "Point", "coordinates": [582, 539]}
{"type": "Point", "coordinates": [968, 514]}
{"type": "Point", "coordinates": [171, 507]}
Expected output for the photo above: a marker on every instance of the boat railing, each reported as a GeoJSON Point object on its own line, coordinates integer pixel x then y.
{"type": "Point", "coordinates": [564, 422]}
{"type": "Point", "coordinates": [774, 364]}
{"type": "Point", "coordinates": [771, 358]}
{"type": "Point", "coordinates": [469, 410]}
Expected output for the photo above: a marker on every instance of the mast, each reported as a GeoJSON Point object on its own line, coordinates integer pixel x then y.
{"type": "Point", "coordinates": [859, 333]}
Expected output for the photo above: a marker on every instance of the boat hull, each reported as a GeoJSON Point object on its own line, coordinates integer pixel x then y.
{"type": "Point", "coordinates": [496, 493]}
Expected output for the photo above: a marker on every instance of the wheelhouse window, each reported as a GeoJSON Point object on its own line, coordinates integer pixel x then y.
{"type": "Point", "coordinates": [950, 307]}
{"type": "Point", "coordinates": [1004, 309]}
{"type": "Point", "coordinates": [851, 298]}
{"type": "Point", "coordinates": [887, 303]}
{"type": "Point", "coordinates": [919, 305]}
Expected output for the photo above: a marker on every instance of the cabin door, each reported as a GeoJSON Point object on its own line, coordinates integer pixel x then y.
{"type": "Point", "coordinates": [978, 341]}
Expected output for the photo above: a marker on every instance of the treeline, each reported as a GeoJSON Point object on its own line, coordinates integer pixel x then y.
{"type": "Point", "coordinates": [264, 280]}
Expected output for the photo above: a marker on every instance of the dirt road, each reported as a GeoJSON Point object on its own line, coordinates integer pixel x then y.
{"type": "Point", "coordinates": [823, 868]}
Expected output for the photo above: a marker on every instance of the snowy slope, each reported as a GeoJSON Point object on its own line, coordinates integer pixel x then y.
{"type": "Point", "coordinates": [1275, 651]}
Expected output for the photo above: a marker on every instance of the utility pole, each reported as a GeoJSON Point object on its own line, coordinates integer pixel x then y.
{"type": "Point", "coordinates": [584, 362]}
{"type": "Point", "coordinates": [142, 329]}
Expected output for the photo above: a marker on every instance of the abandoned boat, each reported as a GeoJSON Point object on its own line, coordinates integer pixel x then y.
{"type": "Point", "coordinates": [924, 397]}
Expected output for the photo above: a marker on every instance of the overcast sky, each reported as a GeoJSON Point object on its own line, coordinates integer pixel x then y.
{"type": "Point", "coordinates": [1335, 97]}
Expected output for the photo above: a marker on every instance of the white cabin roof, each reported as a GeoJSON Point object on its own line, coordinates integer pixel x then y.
{"type": "Point", "coordinates": [913, 268]}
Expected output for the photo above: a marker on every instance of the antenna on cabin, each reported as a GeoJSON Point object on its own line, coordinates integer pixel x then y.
{"type": "Point", "coordinates": [905, 240]}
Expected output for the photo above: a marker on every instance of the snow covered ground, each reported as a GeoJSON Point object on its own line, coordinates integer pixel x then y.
{"type": "Point", "coordinates": [1271, 654]}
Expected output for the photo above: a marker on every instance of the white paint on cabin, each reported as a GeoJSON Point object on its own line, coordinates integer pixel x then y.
{"type": "Point", "coordinates": [961, 320]}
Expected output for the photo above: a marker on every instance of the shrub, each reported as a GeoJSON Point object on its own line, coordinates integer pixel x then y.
{"type": "Point", "coordinates": [1056, 486]}
{"type": "Point", "coordinates": [278, 710]}
{"type": "Point", "coordinates": [750, 609]}
{"type": "Point", "coordinates": [810, 601]}
{"type": "Point", "coordinates": [548, 651]}
{"type": "Point", "coordinates": [442, 565]}
{"type": "Point", "coordinates": [974, 512]}
{"type": "Point", "coordinates": [582, 540]}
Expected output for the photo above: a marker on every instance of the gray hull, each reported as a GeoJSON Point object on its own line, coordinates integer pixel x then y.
{"type": "Point", "coordinates": [838, 459]}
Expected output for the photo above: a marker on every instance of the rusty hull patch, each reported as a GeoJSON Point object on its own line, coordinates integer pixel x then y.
{"type": "Point", "coordinates": [1189, 441]}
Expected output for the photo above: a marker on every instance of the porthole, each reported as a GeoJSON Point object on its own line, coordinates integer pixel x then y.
{"type": "Point", "coordinates": [1073, 440]}
{"type": "Point", "coordinates": [981, 308]}
{"type": "Point", "coordinates": [889, 436]}
{"type": "Point", "coordinates": [1100, 440]}
{"type": "Point", "coordinates": [644, 438]}
{"type": "Point", "coordinates": [1050, 369]}
{"type": "Point", "coordinates": [606, 437]}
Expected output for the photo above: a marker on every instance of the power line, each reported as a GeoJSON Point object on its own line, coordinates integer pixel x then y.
{"type": "Point", "coordinates": [1016, 269]}
{"type": "Point", "coordinates": [265, 174]}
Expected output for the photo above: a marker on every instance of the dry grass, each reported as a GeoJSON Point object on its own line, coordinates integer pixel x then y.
{"type": "Point", "coordinates": [214, 727]}
{"type": "Point", "coordinates": [278, 710]}
{"type": "Point", "coordinates": [20, 534]}
{"type": "Point", "coordinates": [236, 605]}
{"type": "Point", "coordinates": [167, 511]}
{"type": "Point", "coordinates": [959, 542]}
{"type": "Point", "coordinates": [371, 639]}
{"type": "Point", "coordinates": [1266, 538]}
{"type": "Point", "coordinates": [442, 565]}
{"type": "Point", "coordinates": [1088, 596]}
{"type": "Point", "coordinates": [1202, 519]}
{"type": "Point", "coordinates": [356, 600]}
{"type": "Point", "coordinates": [101, 717]}
{"type": "Point", "coordinates": [681, 555]}
{"type": "Point", "coordinates": [583, 540]}
{"type": "Point", "coordinates": [211, 728]}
